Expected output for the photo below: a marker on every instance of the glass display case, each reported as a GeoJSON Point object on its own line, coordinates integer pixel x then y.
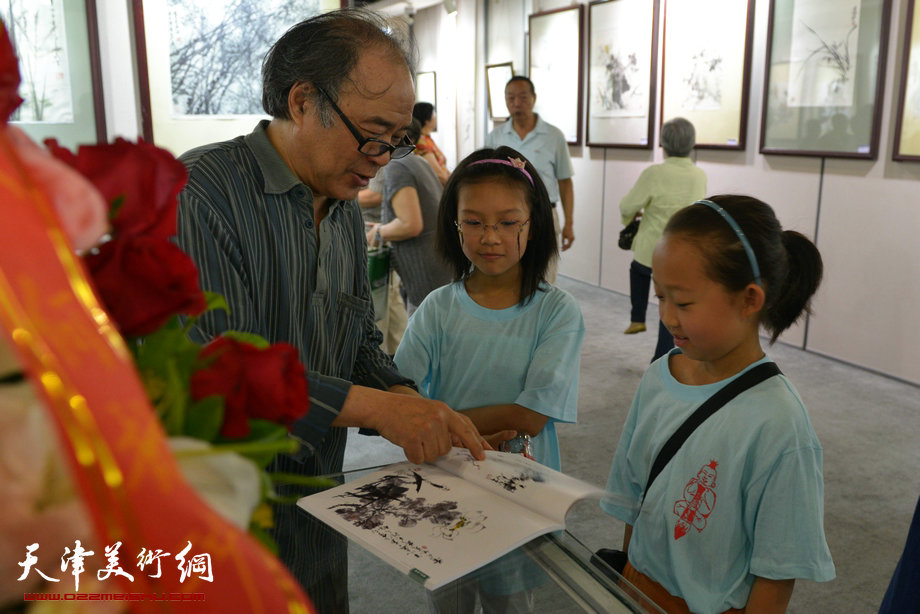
{"type": "Point", "coordinates": [567, 578]}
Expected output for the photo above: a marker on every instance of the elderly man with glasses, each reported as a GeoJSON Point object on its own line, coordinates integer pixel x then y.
{"type": "Point", "coordinates": [271, 221]}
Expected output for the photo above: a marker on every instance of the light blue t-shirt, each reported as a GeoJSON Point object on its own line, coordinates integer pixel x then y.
{"type": "Point", "coordinates": [546, 148]}
{"type": "Point", "coordinates": [470, 356]}
{"type": "Point", "coordinates": [743, 497]}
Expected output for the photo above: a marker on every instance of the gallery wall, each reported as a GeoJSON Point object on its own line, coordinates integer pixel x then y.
{"type": "Point", "coordinates": [863, 214]}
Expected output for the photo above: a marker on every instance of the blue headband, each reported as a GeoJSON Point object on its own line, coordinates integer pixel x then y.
{"type": "Point", "coordinates": [741, 236]}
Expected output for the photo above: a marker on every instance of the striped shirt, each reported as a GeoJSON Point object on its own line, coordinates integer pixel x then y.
{"type": "Point", "coordinates": [248, 223]}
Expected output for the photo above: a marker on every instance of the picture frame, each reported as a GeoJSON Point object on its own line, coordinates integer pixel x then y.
{"type": "Point", "coordinates": [824, 78]}
{"type": "Point", "coordinates": [497, 76]}
{"type": "Point", "coordinates": [554, 64]}
{"type": "Point", "coordinates": [907, 128]}
{"type": "Point", "coordinates": [706, 76]}
{"type": "Point", "coordinates": [623, 63]}
{"type": "Point", "coordinates": [209, 93]}
{"type": "Point", "coordinates": [65, 64]}
{"type": "Point", "coordinates": [426, 87]}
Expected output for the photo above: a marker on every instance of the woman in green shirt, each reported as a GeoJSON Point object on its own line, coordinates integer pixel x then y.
{"type": "Point", "coordinates": [661, 190]}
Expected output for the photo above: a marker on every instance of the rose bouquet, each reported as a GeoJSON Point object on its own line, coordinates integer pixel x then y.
{"type": "Point", "coordinates": [115, 427]}
{"type": "Point", "coordinates": [226, 406]}
{"type": "Point", "coordinates": [235, 395]}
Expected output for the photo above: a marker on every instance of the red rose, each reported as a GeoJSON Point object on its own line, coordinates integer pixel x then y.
{"type": "Point", "coordinates": [9, 77]}
{"type": "Point", "coordinates": [146, 178]}
{"type": "Point", "coordinates": [268, 384]}
{"type": "Point", "coordinates": [143, 281]}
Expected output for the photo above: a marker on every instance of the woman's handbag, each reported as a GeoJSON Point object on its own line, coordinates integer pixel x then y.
{"type": "Point", "coordinates": [628, 234]}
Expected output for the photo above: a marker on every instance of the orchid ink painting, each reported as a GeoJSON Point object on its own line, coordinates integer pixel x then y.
{"type": "Point", "coordinates": [823, 54]}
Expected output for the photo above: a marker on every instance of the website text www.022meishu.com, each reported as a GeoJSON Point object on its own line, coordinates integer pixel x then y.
{"type": "Point", "coordinates": [113, 597]}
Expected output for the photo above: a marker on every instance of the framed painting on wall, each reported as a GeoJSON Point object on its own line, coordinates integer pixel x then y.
{"type": "Point", "coordinates": [497, 75]}
{"type": "Point", "coordinates": [622, 60]}
{"type": "Point", "coordinates": [555, 68]}
{"type": "Point", "coordinates": [706, 75]}
{"type": "Point", "coordinates": [907, 130]}
{"type": "Point", "coordinates": [57, 44]}
{"type": "Point", "coordinates": [199, 65]}
{"type": "Point", "coordinates": [426, 87]}
{"type": "Point", "coordinates": [824, 77]}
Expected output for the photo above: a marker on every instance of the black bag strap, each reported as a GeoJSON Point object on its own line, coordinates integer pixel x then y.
{"type": "Point", "coordinates": [728, 392]}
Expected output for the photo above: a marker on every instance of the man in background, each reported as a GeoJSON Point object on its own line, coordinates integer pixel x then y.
{"type": "Point", "coordinates": [546, 148]}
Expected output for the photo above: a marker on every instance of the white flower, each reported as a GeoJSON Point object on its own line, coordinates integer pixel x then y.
{"type": "Point", "coordinates": [227, 481]}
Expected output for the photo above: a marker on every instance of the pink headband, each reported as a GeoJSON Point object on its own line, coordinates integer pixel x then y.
{"type": "Point", "coordinates": [512, 162]}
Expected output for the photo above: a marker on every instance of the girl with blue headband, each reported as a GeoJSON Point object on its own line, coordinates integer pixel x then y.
{"type": "Point", "coordinates": [499, 344]}
{"type": "Point", "coordinates": [735, 516]}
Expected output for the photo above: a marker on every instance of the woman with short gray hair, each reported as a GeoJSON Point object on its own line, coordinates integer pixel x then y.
{"type": "Point", "coordinates": [661, 190]}
{"type": "Point", "coordinates": [678, 138]}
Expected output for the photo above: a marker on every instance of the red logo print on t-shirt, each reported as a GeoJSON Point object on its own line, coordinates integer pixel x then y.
{"type": "Point", "coordinates": [698, 502]}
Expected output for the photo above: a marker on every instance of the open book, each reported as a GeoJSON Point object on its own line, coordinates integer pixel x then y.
{"type": "Point", "coordinates": [437, 522]}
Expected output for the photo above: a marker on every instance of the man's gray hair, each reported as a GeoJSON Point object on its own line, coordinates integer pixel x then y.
{"type": "Point", "coordinates": [678, 137]}
{"type": "Point", "coordinates": [324, 50]}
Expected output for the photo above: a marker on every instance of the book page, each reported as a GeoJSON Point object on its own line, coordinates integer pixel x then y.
{"type": "Point", "coordinates": [521, 480]}
{"type": "Point", "coordinates": [425, 521]}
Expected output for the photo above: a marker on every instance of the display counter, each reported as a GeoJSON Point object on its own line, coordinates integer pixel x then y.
{"type": "Point", "coordinates": [572, 581]}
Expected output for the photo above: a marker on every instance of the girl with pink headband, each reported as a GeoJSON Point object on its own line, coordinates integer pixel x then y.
{"type": "Point", "coordinates": [499, 343]}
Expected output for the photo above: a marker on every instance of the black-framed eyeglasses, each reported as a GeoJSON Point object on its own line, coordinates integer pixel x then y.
{"type": "Point", "coordinates": [371, 146]}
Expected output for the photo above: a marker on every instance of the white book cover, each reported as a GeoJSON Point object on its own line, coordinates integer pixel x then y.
{"type": "Point", "coordinates": [440, 521]}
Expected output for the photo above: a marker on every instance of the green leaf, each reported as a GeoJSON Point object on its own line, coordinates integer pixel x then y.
{"type": "Point", "coordinates": [175, 399]}
{"type": "Point", "coordinates": [265, 485]}
{"type": "Point", "coordinates": [204, 418]}
{"type": "Point", "coordinates": [213, 301]}
{"type": "Point", "coordinates": [250, 338]}
{"type": "Point", "coordinates": [165, 359]}
{"type": "Point", "coordinates": [266, 430]}
{"type": "Point", "coordinates": [167, 343]}
{"type": "Point", "coordinates": [265, 440]}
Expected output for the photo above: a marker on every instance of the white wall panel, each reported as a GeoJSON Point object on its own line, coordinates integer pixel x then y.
{"type": "Point", "coordinates": [866, 311]}
{"type": "Point", "coordinates": [437, 39]}
{"type": "Point", "coordinates": [582, 260]}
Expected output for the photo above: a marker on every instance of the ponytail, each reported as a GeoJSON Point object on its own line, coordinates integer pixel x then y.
{"type": "Point", "coordinates": [793, 295]}
{"type": "Point", "coordinates": [790, 264]}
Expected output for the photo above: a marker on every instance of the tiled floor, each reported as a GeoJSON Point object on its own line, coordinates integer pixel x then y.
{"type": "Point", "coordinates": [869, 426]}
